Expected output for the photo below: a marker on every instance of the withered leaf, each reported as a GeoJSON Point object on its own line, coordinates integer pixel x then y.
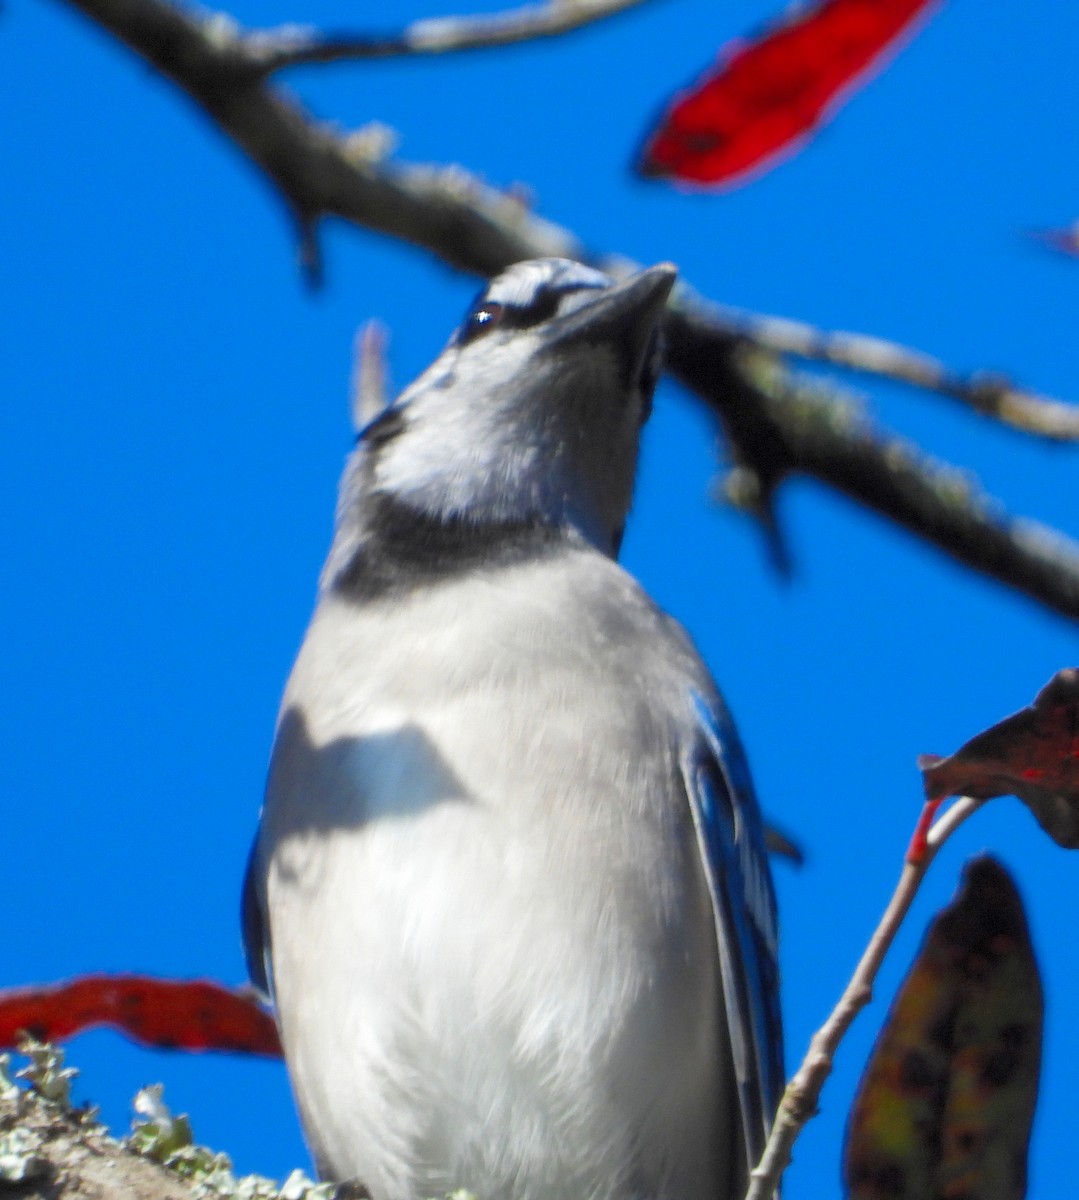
{"type": "Point", "coordinates": [1033, 754]}
{"type": "Point", "coordinates": [945, 1106]}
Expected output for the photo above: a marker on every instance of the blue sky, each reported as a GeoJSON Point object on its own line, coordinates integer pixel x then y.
{"type": "Point", "coordinates": [177, 417]}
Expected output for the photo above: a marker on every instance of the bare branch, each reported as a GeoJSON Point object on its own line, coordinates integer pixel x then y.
{"type": "Point", "coordinates": [991, 394]}
{"type": "Point", "coordinates": [318, 171]}
{"type": "Point", "coordinates": [293, 45]}
{"type": "Point", "coordinates": [776, 427]}
{"type": "Point", "coordinates": [67, 1156]}
{"type": "Point", "coordinates": [802, 1094]}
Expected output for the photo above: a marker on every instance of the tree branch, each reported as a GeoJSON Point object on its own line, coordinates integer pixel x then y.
{"type": "Point", "coordinates": [776, 427]}
{"type": "Point", "coordinates": [62, 1154]}
{"type": "Point", "coordinates": [985, 392]}
{"type": "Point", "coordinates": [50, 1150]}
{"type": "Point", "coordinates": [802, 1094]}
{"type": "Point", "coordinates": [294, 45]}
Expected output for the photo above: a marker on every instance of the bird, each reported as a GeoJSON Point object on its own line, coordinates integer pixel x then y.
{"type": "Point", "coordinates": [510, 893]}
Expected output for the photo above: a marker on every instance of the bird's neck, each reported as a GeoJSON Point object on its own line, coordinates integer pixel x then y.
{"type": "Point", "coordinates": [402, 547]}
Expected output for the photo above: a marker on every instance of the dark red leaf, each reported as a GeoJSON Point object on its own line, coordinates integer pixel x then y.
{"type": "Point", "coordinates": [1065, 240]}
{"type": "Point", "coordinates": [168, 1014]}
{"type": "Point", "coordinates": [768, 95]}
{"type": "Point", "coordinates": [1033, 754]}
{"type": "Point", "coordinates": [946, 1102]}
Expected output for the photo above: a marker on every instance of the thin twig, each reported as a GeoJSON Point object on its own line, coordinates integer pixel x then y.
{"type": "Point", "coordinates": [800, 1099]}
{"type": "Point", "coordinates": [991, 394]}
{"type": "Point", "coordinates": [293, 45]}
{"type": "Point", "coordinates": [369, 389]}
{"type": "Point", "coordinates": [775, 427]}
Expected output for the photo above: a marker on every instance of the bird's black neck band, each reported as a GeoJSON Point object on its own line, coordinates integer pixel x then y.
{"type": "Point", "coordinates": [404, 548]}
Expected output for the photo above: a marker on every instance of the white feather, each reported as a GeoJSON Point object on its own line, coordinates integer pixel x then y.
{"type": "Point", "coordinates": [496, 970]}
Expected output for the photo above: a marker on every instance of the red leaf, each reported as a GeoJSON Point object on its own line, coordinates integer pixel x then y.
{"type": "Point", "coordinates": [767, 96]}
{"type": "Point", "coordinates": [1065, 240]}
{"type": "Point", "coordinates": [1033, 754]}
{"type": "Point", "coordinates": [169, 1014]}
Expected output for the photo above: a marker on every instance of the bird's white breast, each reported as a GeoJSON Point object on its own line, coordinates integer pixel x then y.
{"type": "Point", "coordinates": [495, 897]}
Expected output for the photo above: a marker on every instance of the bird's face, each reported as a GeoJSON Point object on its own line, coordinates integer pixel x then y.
{"type": "Point", "coordinates": [534, 409]}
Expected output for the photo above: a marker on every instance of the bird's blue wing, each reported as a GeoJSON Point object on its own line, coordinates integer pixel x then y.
{"type": "Point", "coordinates": [256, 936]}
{"type": "Point", "coordinates": [730, 834]}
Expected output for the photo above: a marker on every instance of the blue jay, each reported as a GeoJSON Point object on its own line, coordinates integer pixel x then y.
{"type": "Point", "coordinates": [510, 893]}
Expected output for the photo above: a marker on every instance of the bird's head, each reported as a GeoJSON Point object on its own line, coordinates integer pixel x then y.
{"type": "Point", "coordinates": [532, 412]}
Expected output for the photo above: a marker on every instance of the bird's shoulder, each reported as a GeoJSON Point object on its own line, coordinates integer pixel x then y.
{"type": "Point", "coordinates": [568, 623]}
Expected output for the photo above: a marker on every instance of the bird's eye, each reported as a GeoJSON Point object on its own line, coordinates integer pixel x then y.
{"type": "Point", "coordinates": [487, 315]}
{"type": "Point", "coordinates": [482, 319]}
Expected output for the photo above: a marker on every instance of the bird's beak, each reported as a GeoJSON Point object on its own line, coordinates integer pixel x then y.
{"type": "Point", "coordinates": [625, 314]}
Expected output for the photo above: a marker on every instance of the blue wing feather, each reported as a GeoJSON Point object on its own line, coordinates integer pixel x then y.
{"type": "Point", "coordinates": [256, 940]}
{"type": "Point", "coordinates": [732, 843]}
